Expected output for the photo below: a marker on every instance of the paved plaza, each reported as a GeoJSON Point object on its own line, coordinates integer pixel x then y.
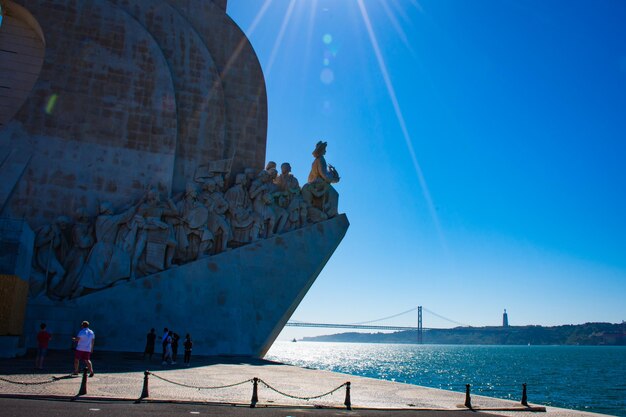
{"type": "Point", "coordinates": [120, 377]}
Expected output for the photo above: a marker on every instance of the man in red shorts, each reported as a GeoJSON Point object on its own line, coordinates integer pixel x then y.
{"type": "Point", "coordinates": [84, 347]}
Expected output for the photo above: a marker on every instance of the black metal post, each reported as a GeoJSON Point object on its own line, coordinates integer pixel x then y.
{"type": "Point", "coordinates": [347, 402]}
{"type": "Point", "coordinates": [83, 384]}
{"type": "Point", "coordinates": [255, 393]}
{"type": "Point", "coordinates": [145, 392]}
{"type": "Point", "coordinates": [524, 396]}
{"type": "Point", "coordinates": [468, 398]}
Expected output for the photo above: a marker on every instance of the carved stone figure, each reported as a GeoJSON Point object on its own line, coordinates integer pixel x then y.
{"type": "Point", "coordinates": [218, 179]}
{"type": "Point", "coordinates": [314, 195]}
{"type": "Point", "coordinates": [51, 250]}
{"type": "Point", "coordinates": [323, 174]}
{"type": "Point", "coordinates": [319, 168]}
{"type": "Point", "coordinates": [286, 181]}
{"type": "Point", "coordinates": [192, 235]}
{"type": "Point", "coordinates": [250, 176]}
{"type": "Point", "coordinates": [82, 242]}
{"type": "Point", "coordinates": [109, 260]}
{"type": "Point", "coordinates": [262, 201]}
{"type": "Point", "coordinates": [156, 245]}
{"type": "Point", "coordinates": [261, 193]}
{"type": "Point", "coordinates": [218, 207]}
{"type": "Point", "coordinates": [296, 210]}
{"type": "Point", "coordinates": [280, 201]}
{"type": "Point", "coordinates": [245, 223]}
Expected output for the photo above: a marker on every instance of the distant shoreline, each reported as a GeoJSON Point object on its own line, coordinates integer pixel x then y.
{"type": "Point", "coordinates": [588, 334]}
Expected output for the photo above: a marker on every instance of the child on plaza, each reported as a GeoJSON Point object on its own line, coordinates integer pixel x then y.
{"type": "Point", "coordinates": [43, 337]}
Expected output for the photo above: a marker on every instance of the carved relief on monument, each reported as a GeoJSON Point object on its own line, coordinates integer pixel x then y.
{"type": "Point", "coordinates": [154, 234]}
{"type": "Point", "coordinates": [132, 152]}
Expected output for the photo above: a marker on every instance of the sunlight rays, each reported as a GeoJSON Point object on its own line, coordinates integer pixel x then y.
{"type": "Point", "coordinates": [309, 32]}
{"type": "Point", "coordinates": [396, 25]}
{"type": "Point", "coordinates": [417, 5]}
{"type": "Point", "coordinates": [257, 19]}
{"type": "Point", "coordinates": [279, 38]}
{"type": "Point", "coordinates": [401, 121]}
{"type": "Point", "coordinates": [389, 7]}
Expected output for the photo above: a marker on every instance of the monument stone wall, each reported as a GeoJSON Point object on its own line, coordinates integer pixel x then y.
{"type": "Point", "coordinates": [132, 142]}
{"type": "Point", "coordinates": [132, 94]}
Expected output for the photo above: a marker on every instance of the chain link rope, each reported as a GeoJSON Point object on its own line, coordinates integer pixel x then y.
{"type": "Point", "coordinates": [197, 387]}
{"type": "Point", "coordinates": [302, 398]}
{"type": "Point", "coordinates": [54, 379]}
{"type": "Point", "coordinates": [265, 384]}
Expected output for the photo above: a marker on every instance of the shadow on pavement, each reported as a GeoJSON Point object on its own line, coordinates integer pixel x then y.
{"type": "Point", "coordinates": [62, 362]}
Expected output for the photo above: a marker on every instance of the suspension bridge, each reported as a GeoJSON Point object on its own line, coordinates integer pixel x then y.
{"type": "Point", "coordinates": [369, 325]}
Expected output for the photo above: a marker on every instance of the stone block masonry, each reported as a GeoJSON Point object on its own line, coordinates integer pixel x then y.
{"type": "Point", "coordinates": [132, 94]}
{"type": "Point", "coordinates": [14, 293]}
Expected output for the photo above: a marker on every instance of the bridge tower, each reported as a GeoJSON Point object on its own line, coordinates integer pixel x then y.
{"type": "Point", "coordinates": [420, 330]}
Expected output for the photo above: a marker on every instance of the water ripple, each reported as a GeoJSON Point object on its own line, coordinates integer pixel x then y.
{"type": "Point", "coordinates": [590, 378]}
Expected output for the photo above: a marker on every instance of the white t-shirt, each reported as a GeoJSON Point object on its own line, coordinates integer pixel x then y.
{"type": "Point", "coordinates": [85, 336]}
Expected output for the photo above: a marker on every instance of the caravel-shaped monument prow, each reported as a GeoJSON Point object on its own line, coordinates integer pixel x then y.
{"type": "Point", "coordinates": [132, 143]}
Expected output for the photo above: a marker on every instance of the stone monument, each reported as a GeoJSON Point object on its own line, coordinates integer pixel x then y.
{"type": "Point", "coordinates": [132, 147]}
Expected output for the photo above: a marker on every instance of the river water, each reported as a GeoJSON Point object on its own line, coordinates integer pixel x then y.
{"type": "Point", "coordinates": [589, 378]}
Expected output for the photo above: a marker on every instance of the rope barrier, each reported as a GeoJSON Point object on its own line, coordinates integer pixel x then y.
{"type": "Point", "coordinates": [468, 397]}
{"type": "Point", "coordinates": [197, 387]}
{"type": "Point", "coordinates": [301, 398]}
{"type": "Point", "coordinates": [54, 379]}
{"type": "Point", "coordinates": [255, 382]}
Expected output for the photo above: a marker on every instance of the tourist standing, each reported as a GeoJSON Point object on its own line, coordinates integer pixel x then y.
{"type": "Point", "coordinates": [84, 347]}
{"type": "Point", "coordinates": [167, 357]}
{"type": "Point", "coordinates": [166, 333]}
{"type": "Point", "coordinates": [175, 339]}
{"type": "Point", "coordinates": [150, 341]}
{"type": "Point", "coordinates": [43, 337]}
{"type": "Point", "coordinates": [188, 345]}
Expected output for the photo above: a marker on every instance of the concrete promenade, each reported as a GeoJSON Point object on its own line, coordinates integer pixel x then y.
{"type": "Point", "coordinates": [120, 376]}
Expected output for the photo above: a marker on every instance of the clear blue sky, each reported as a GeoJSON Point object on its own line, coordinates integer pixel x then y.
{"type": "Point", "coordinates": [481, 145]}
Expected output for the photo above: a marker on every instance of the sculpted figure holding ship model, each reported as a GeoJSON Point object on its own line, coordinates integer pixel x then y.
{"type": "Point", "coordinates": [318, 191]}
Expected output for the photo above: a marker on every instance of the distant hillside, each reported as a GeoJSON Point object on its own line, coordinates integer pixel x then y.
{"type": "Point", "coordinates": [577, 334]}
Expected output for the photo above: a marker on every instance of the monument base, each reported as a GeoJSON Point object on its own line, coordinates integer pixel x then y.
{"type": "Point", "coordinates": [13, 293]}
{"type": "Point", "coordinates": [12, 346]}
{"type": "Point", "coordinates": [233, 303]}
